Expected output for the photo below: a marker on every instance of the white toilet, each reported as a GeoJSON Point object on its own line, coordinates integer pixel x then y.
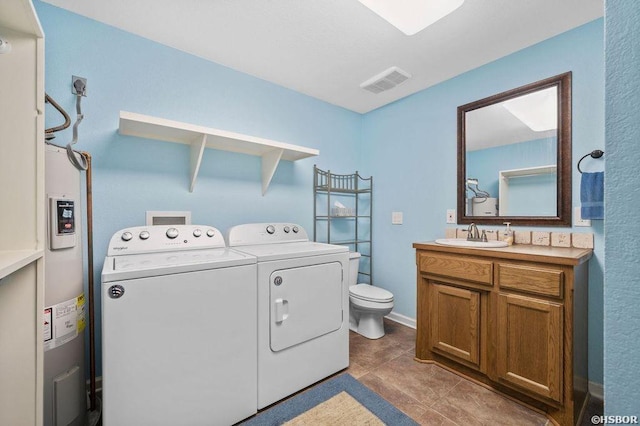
{"type": "Point", "coordinates": [367, 303]}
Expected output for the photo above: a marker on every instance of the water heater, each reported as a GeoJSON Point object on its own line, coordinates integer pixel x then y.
{"type": "Point", "coordinates": [484, 206]}
{"type": "Point", "coordinates": [64, 314]}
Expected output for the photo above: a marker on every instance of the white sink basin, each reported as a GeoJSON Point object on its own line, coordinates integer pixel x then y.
{"type": "Point", "coordinates": [461, 242]}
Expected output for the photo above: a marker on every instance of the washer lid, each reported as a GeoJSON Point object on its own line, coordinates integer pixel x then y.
{"type": "Point", "coordinates": [165, 263]}
{"type": "Point", "coordinates": [217, 258]}
{"type": "Point", "coordinates": [370, 293]}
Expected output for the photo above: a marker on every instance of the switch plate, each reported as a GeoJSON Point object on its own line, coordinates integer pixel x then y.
{"type": "Point", "coordinates": [396, 218]}
{"type": "Point", "coordinates": [451, 216]}
{"type": "Point", "coordinates": [577, 218]}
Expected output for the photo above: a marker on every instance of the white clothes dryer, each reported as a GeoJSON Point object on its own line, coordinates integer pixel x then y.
{"type": "Point", "coordinates": [303, 307]}
{"type": "Point", "coordinates": [178, 328]}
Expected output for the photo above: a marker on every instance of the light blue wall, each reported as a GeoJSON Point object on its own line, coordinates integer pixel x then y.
{"type": "Point", "coordinates": [410, 148]}
{"type": "Point", "coordinates": [622, 208]}
{"type": "Point", "coordinates": [528, 196]}
{"type": "Point", "coordinates": [132, 175]}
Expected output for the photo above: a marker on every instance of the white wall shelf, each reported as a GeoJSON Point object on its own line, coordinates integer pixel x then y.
{"type": "Point", "coordinates": [504, 176]}
{"type": "Point", "coordinates": [12, 260]}
{"type": "Point", "coordinates": [199, 138]}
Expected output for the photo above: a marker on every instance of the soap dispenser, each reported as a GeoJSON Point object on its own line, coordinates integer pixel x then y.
{"type": "Point", "coordinates": [507, 234]}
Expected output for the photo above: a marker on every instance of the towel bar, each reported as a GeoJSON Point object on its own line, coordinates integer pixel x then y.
{"type": "Point", "coordinates": [596, 153]}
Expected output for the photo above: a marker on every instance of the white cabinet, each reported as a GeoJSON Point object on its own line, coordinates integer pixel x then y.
{"type": "Point", "coordinates": [199, 138]}
{"type": "Point", "coordinates": [21, 215]}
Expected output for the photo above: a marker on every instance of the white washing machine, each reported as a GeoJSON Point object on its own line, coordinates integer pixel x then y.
{"type": "Point", "coordinates": [178, 328]}
{"type": "Point", "coordinates": [303, 307]}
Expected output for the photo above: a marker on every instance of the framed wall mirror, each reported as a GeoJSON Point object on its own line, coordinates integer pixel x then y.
{"type": "Point", "coordinates": [514, 156]}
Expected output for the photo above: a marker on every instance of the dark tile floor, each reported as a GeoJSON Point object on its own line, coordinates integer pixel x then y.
{"type": "Point", "coordinates": [430, 394]}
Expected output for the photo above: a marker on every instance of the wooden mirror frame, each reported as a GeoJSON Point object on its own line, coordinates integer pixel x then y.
{"type": "Point", "coordinates": [564, 198]}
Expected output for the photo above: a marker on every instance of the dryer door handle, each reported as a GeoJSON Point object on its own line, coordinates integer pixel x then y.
{"type": "Point", "coordinates": [282, 310]}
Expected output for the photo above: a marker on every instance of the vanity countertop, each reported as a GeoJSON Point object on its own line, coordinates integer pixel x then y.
{"type": "Point", "coordinates": [534, 253]}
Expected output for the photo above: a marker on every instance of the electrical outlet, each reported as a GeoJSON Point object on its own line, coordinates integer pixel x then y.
{"type": "Point", "coordinates": [396, 218]}
{"type": "Point", "coordinates": [577, 218]}
{"type": "Point", "coordinates": [451, 216]}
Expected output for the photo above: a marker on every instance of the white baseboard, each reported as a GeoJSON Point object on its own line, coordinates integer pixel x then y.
{"type": "Point", "coordinates": [596, 390]}
{"type": "Point", "coordinates": [401, 319]}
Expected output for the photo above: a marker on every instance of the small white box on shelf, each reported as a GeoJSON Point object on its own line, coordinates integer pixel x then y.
{"type": "Point", "coordinates": [342, 211]}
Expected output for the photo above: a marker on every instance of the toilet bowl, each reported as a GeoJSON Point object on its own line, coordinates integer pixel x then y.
{"type": "Point", "coordinates": [367, 304]}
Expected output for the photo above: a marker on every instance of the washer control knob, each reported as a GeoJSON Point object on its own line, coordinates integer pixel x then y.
{"type": "Point", "coordinates": [210, 233]}
{"type": "Point", "coordinates": [295, 229]}
{"type": "Point", "coordinates": [126, 236]}
{"type": "Point", "coordinates": [271, 229]}
{"type": "Point", "coordinates": [197, 232]}
{"type": "Point", "coordinates": [287, 229]}
{"type": "Point", "coordinates": [172, 233]}
{"type": "Point", "coordinates": [144, 235]}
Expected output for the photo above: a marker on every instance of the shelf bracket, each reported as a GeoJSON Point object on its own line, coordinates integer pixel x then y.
{"type": "Point", "coordinates": [197, 151]}
{"type": "Point", "coordinates": [270, 162]}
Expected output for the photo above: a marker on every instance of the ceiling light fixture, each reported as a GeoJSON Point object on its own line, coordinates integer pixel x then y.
{"type": "Point", "coordinates": [412, 16]}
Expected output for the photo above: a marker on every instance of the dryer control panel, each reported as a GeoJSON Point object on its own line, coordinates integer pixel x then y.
{"type": "Point", "coordinates": [266, 233]}
{"type": "Point", "coordinates": [157, 238]}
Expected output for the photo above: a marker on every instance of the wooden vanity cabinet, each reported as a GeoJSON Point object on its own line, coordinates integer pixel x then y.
{"type": "Point", "coordinates": [529, 345]}
{"type": "Point", "coordinates": [513, 319]}
{"type": "Point", "coordinates": [456, 300]}
{"type": "Point", "coordinates": [455, 323]}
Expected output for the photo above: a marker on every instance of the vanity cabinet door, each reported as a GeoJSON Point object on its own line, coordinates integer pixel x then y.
{"type": "Point", "coordinates": [529, 345]}
{"type": "Point", "coordinates": [455, 323]}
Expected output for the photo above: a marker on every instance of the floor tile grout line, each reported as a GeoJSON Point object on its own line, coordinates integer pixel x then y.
{"type": "Point", "coordinates": [418, 403]}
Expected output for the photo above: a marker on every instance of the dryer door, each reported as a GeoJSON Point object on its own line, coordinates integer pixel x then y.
{"type": "Point", "coordinates": [305, 303]}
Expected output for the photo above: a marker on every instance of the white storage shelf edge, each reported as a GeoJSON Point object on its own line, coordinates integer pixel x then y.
{"type": "Point", "coordinates": [505, 175]}
{"type": "Point", "coordinates": [199, 138]}
{"type": "Point", "coordinates": [12, 260]}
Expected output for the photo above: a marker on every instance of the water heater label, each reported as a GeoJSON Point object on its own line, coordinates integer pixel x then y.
{"type": "Point", "coordinates": [63, 322]}
{"type": "Point", "coordinates": [65, 217]}
{"type": "Point", "coordinates": [48, 335]}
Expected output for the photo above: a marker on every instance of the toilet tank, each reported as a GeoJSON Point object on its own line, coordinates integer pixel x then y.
{"type": "Point", "coordinates": [354, 262]}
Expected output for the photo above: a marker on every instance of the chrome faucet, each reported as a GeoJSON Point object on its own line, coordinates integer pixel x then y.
{"type": "Point", "coordinates": [472, 232]}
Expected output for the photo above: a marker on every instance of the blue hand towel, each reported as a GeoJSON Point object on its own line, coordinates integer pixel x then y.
{"type": "Point", "coordinates": [592, 195]}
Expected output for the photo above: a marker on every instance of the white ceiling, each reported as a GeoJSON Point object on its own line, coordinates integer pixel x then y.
{"type": "Point", "coordinates": [326, 48]}
{"type": "Point", "coordinates": [494, 125]}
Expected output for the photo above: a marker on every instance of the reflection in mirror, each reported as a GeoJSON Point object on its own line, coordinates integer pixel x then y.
{"type": "Point", "coordinates": [521, 135]}
{"type": "Point", "coordinates": [514, 156]}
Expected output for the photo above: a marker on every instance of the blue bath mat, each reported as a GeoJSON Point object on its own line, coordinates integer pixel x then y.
{"type": "Point", "coordinates": [309, 399]}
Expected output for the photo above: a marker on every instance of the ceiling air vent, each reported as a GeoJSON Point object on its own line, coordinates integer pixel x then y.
{"type": "Point", "coordinates": [386, 80]}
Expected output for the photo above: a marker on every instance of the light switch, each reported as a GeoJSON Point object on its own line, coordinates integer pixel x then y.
{"type": "Point", "coordinates": [396, 218]}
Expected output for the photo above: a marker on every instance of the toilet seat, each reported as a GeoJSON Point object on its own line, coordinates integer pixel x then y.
{"type": "Point", "coordinates": [370, 293]}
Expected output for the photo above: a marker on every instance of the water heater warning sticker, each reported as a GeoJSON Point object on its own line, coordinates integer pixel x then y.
{"type": "Point", "coordinates": [47, 324]}
{"type": "Point", "coordinates": [63, 322]}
